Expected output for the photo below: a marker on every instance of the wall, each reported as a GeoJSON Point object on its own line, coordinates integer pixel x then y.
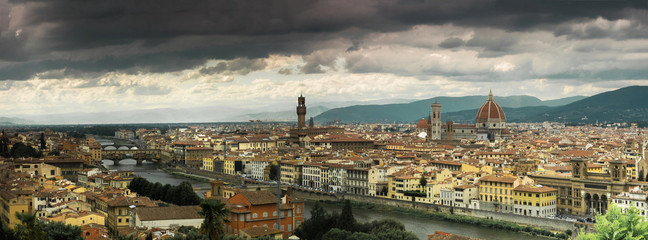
{"type": "Point", "coordinates": [551, 224]}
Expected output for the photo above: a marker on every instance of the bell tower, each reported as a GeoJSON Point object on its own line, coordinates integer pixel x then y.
{"type": "Point", "coordinates": [617, 170]}
{"type": "Point", "coordinates": [434, 122]}
{"type": "Point", "coordinates": [579, 168]}
{"type": "Point", "coordinates": [301, 112]}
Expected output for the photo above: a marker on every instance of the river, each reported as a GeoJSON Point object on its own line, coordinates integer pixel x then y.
{"type": "Point", "coordinates": [151, 172]}
{"type": "Point", "coordinates": [419, 226]}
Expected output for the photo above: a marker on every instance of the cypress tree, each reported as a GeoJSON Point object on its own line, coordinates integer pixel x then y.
{"type": "Point", "coordinates": [346, 220]}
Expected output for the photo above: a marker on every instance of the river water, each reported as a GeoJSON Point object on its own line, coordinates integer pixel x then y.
{"type": "Point", "coordinates": [419, 226]}
{"type": "Point", "coordinates": [151, 172]}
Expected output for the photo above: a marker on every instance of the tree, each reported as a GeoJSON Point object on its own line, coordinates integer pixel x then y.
{"type": "Point", "coordinates": [346, 220]}
{"type": "Point", "coordinates": [187, 196]}
{"type": "Point", "coordinates": [386, 225]}
{"type": "Point", "coordinates": [394, 234]}
{"type": "Point", "coordinates": [314, 227]}
{"type": "Point", "coordinates": [423, 182]}
{"type": "Point", "coordinates": [336, 234]}
{"type": "Point", "coordinates": [214, 211]}
{"type": "Point", "coordinates": [43, 145]}
{"type": "Point", "coordinates": [274, 170]}
{"type": "Point", "coordinates": [6, 233]}
{"type": "Point", "coordinates": [616, 224]}
{"type": "Point", "coordinates": [30, 227]}
{"type": "Point", "coordinates": [61, 231]}
{"type": "Point", "coordinates": [21, 150]}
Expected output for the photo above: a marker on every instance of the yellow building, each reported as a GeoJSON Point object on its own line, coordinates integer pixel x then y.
{"type": "Point", "coordinates": [12, 202]}
{"type": "Point", "coordinates": [119, 211]}
{"type": "Point", "coordinates": [398, 185]}
{"type": "Point", "coordinates": [291, 172]}
{"type": "Point", "coordinates": [496, 192]}
{"type": "Point", "coordinates": [536, 201]}
{"type": "Point", "coordinates": [79, 218]}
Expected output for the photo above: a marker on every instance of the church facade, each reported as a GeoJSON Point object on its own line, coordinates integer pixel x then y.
{"type": "Point", "coordinates": [490, 124]}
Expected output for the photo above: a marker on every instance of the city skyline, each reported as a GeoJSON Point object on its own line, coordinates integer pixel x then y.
{"type": "Point", "coordinates": [56, 57]}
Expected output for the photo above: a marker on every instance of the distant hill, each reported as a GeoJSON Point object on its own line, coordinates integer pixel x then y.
{"type": "Point", "coordinates": [13, 121]}
{"type": "Point", "coordinates": [629, 104]}
{"type": "Point", "coordinates": [289, 115]}
{"type": "Point", "coordinates": [410, 112]}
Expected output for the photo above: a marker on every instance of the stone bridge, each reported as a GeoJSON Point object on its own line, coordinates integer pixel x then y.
{"type": "Point", "coordinates": [139, 155]}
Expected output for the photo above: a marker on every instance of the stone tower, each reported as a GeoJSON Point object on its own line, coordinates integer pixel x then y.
{"type": "Point", "coordinates": [434, 124]}
{"type": "Point", "coordinates": [301, 112]}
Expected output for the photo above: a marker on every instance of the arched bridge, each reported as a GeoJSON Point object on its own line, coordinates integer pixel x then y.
{"type": "Point", "coordinates": [137, 154]}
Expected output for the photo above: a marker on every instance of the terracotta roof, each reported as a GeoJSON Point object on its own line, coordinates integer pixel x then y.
{"type": "Point", "coordinates": [535, 189]}
{"type": "Point", "coordinates": [166, 213]}
{"type": "Point", "coordinates": [490, 110]}
{"type": "Point", "coordinates": [260, 197]}
{"type": "Point", "coordinates": [422, 124]}
{"type": "Point", "coordinates": [493, 178]}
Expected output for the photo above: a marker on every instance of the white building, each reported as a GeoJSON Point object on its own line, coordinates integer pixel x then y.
{"type": "Point", "coordinates": [257, 168]}
{"type": "Point", "coordinates": [635, 198]}
{"type": "Point", "coordinates": [312, 175]}
{"type": "Point", "coordinates": [167, 217]}
{"type": "Point", "coordinates": [464, 193]}
{"type": "Point", "coordinates": [337, 178]}
{"type": "Point", "coordinates": [447, 197]}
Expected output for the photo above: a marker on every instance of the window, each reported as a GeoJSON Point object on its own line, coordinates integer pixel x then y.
{"type": "Point", "coordinates": [265, 214]}
{"type": "Point", "coordinates": [254, 215]}
{"type": "Point", "coordinates": [119, 220]}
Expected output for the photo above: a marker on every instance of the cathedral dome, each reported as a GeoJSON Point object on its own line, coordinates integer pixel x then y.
{"type": "Point", "coordinates": [422, 124]}
{"type": "Point", "coordinates": [490, 112]}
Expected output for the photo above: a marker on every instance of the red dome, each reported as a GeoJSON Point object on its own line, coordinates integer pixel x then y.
{"type": "Point", "coordinates": [422, 124]}
{"type": "Point", "coordinates": [490, 110]}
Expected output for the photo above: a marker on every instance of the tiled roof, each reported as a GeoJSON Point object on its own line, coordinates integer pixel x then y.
{"type": "Point", "coordinates": [167, 213]}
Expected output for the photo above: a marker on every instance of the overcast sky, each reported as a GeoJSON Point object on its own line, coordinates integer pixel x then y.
{"type": "Point", "coordinates": [61, 56]}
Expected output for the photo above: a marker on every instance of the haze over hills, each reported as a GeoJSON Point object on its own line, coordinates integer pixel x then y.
{"type": "Point", "coordinates": [409, 112]}
{"type": "Point", "coordinates": [174, 115]}
{"type": "Point", "coordinates": [629, 104]}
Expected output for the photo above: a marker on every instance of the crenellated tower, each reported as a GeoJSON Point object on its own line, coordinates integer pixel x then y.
{"type": "Point", "coordinates": [301, 112]}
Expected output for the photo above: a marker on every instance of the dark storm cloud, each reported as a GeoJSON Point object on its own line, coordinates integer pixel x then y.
{"type": "Point", "coordinates": [241, 66]}
{"type": "Point", "coordinates": [253, 27]}
{"type": "Point", "coordinates": [451, 43]}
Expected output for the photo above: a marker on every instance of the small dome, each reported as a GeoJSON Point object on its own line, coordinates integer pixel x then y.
{"type": "Point", "coordinates": [490, 111]}
{"type": "Point", "coordinates": [110, 148]}
{"type": "Point", "coordinates": [123, 148]}
{"type": "Point", "coordinates": [422, 124]}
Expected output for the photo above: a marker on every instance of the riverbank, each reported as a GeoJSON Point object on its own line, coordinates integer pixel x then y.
{"type": "Point", "coordinates": [179, 173]}
{"type": "Point", "coordinates": [460, 219]}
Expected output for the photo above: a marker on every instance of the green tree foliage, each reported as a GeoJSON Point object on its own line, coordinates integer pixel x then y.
{"type": "Point", "coordinates": [189, 233]}
{"type": "Point", "coordinates": [274, 170]}
{"type": "Point", "coordinates": [30, 227]}
{"type": "Point", "coordinates": [214, 211]}
{"type": "Point", "coordinates": [6, 233]}
{"type": "Point", "coordinates": [316, 225]}
{"type": "Point", "coordinates": [325, 226]}
{"type": "Point", "coordinates": [616, 224]}
{"type": "Point", "coordinates": [21, 150]}
{"type": "Point", "coordinates": [43, 145]}
{"type": "Point", "coordinates": [182, 194]}
{"type": "Point", "coordinates": [423, 182]}
{"type": "Point", "coordinates": [61, 231]}
{"type": "Point", "coordinates": [346, 220]}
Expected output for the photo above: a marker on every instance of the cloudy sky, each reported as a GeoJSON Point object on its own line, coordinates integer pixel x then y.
{"type": "Point", "coordinates": [59, 56]}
